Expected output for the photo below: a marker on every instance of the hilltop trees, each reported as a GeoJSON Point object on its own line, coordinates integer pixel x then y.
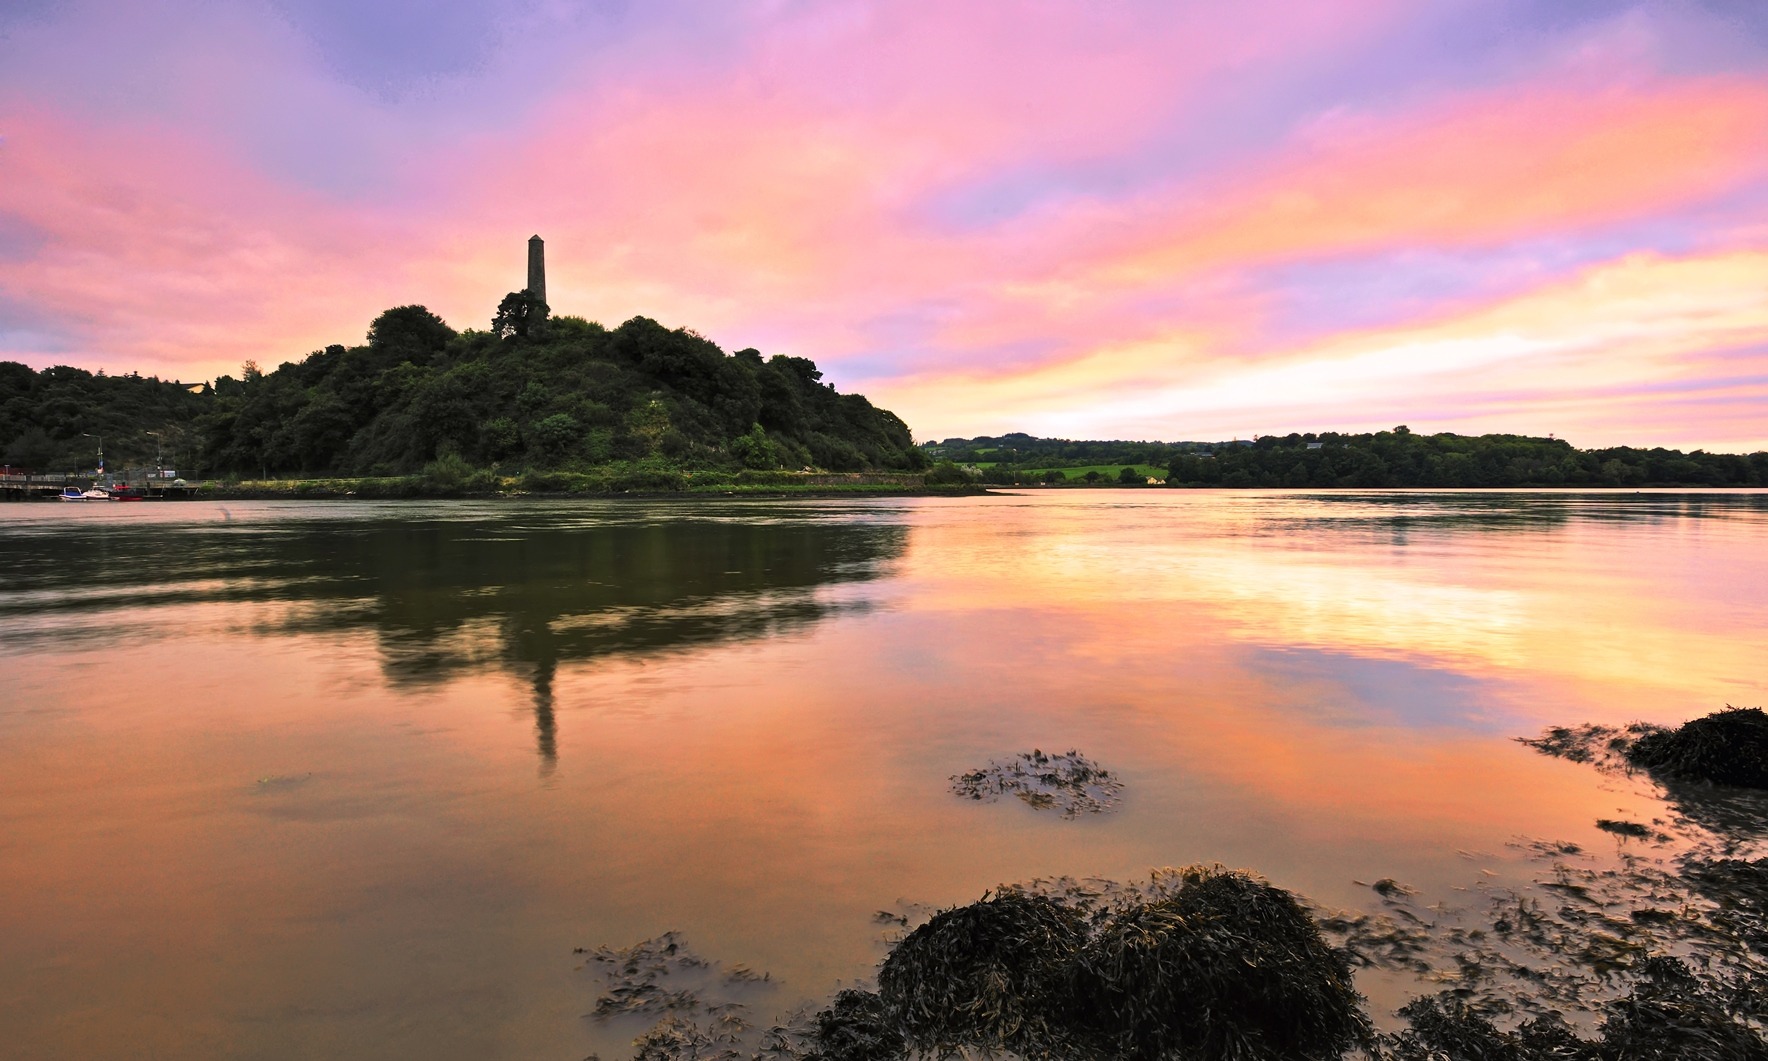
{"type": "Point", "coordinates": [575, 396]}
{"type": "Point", "coordinates": [518, 315]}
{"type": "Point", "coordinates": [45, 417]}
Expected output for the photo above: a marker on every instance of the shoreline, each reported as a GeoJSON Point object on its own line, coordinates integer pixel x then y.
{"type": "Point", "coordinates": [412, 488]}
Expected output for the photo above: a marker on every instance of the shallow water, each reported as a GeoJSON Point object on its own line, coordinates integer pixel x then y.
{"type": "Point", "coordinates": [354, 779]}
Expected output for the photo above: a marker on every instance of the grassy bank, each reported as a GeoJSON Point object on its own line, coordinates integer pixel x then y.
{"type": "Point", "coordinates": [605, 481]}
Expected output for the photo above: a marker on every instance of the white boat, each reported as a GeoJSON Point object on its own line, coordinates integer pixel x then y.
{"type": "Point", "coordinates": [96, 493]}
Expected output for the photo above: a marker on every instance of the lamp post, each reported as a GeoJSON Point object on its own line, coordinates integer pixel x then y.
{"type": "Point", "coordinates": [159, 465]}
{"type": "Point", "coordinates": [100, 439]}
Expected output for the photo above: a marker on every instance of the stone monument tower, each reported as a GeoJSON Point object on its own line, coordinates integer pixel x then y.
{"type": "Point", "coordinates": [537, 314]}
{"type": "Point", "coordinates": [537, 268]}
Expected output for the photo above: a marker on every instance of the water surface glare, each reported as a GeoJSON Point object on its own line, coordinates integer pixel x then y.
{"type": "Point", "coordinates": [352, 780]}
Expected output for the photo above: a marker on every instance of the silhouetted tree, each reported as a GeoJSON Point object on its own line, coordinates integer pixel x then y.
{"type": "Point", "coordinates": [518, 314]}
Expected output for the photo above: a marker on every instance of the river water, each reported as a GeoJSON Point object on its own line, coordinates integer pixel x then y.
{"type": "Point", "coordinates": [355, 780]}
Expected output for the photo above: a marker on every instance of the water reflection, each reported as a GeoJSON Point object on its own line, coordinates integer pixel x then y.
{"type": "Point", "coordinates": [524, 591]}
{"type": "Point", "coordinates": [274, 754]}
{"type": "Point", "coordinates": [1521, 509]}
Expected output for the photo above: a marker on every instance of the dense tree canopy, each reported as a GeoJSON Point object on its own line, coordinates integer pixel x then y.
{"type": "Point", "coordinates": [1401, 458]}
{"type": "Point", "coordinates": [579, 395]}
{"type": "Point", "coordinates": [54, 420]}
{"type": "Point", "coordinates": [1386, 458]}
{"type": "Point", "coordinates": [1018, 450]}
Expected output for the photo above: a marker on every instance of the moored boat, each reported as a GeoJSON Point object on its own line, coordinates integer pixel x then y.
{"type": "Point", "coordinates": [94, 493]}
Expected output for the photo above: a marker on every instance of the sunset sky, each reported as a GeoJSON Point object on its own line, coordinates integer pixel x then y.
{"type": "Point", "coordinates": [1098, 219]}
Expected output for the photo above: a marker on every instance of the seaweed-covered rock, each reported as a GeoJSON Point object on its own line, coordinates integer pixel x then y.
{"type": "Point", "coordinates": [1445, 1027]}
{"type": "Point", "coordinates": [1728, 747]}
{"type": "Point", "coordinates": [989, 975]}
{"type": "Point", "coordinates": [857, 1027]}
{"type": "Point", "coordinates": [1672, 1016]}
{"type": "Point", "coordinates": [1228, 967]}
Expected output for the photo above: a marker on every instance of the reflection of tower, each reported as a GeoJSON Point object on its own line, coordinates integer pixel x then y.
{"type": "Point", "coordinates": [546, 729]}
{"type": "Point", "coordinates": [537, 268]}
{"type": "Point", "coordinates": [530, 639]}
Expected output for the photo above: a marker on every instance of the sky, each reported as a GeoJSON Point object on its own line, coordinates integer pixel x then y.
{"type": "Point", "coordinates": [1089, 219]}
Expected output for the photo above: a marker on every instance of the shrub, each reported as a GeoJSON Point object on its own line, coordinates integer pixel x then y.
{"type": "Point", "coordinates": [945, 473]}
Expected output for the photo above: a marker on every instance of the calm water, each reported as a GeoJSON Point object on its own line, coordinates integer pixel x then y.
{"type": "Point", "coordinates": [352, 780]}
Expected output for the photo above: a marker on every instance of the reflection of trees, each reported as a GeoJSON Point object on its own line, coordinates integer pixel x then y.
{"type": "Point", "coordinates": [523, 592]}
{"type": "Point", "coordinates": [1399, 511]}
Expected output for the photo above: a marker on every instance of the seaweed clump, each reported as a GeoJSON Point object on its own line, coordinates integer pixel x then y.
{"type": "Point", "coordinates": [693, 1002]}
{"type": "Point", "coordinates": [1670, 1015]}
{"type": "Point", "coordinates": [1740, 889]}
{"type": "Point", "coordinates": [1224, 967]}
{"type": "Point", "coordinates": [1227, 967]}
{"type": "Point", "coordinates": [856, 1027]}
{"type": "Point", "coordinates": [1444, 1026]}
{"type": "Point", "coordinates": [1069, 782]}
{"type": "Point", "coordinates": [992, 974]}
{"type": "Point", "coordinates": [1728, 747]}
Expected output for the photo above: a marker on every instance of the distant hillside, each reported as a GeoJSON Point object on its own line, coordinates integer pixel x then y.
{"type": "Point", "coordinates": [1401, 458]}
{"type": "Point", "coordinates": [578, 397]}
{"type": "Point", "coordinates": [1332, 459]}
{"type": "Point", "coordinates": [1018, 450]}
{"type": "Point", "coordinates": [56, 419]}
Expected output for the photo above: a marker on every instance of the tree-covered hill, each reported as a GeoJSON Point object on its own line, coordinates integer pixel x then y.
{"type": "Point", "coordinates": [579, 395]}
{"type": "Point", "coordinates": [1401, 458]}
{"type": "Point", "coordinates": [1331, 459]}
{"type": "Point", "coordinates": [55, 420]}
{"type": "Point", "coordinates": [1019, 450]}
{"type": "Point", "coordinates": [573, 396]}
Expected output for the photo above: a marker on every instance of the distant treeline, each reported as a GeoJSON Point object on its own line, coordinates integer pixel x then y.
{"type": "Point", "coordinates": [1385, 458]}
{"type": "Point", "coordinates": [1401, 458]}
{"type": "Point", "coordinates": [555, 394]}
{"type": "Point", "coordinates": [55, 420]}
{"type": "Point", "coordinates": [1017, 450]}
{"type": "Point", "coordinates": [567, 395]}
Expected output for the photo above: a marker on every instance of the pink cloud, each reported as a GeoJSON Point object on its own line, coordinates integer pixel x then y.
{"type": "Point", "coordinates": [1484, 170]}
{"type": "Point", "coordinates": [806, 186]}
{"type": "Point", "coordinates": [166, 255]}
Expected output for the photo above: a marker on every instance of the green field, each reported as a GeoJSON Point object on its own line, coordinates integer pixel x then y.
{"type": "Point", "coordinates": [1108, 471]}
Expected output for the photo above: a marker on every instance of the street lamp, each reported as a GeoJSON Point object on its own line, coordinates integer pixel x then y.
{"type": "Point", "coordinates": [100, 439]}
{"type": "Point", "coordinates": [159, 465]}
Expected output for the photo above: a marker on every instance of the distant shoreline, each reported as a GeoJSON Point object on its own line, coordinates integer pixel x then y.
{"type": "Point", "coordinates": [406, 490]}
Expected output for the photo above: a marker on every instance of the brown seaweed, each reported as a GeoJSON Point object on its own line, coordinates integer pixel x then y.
{"type": "Point", "coordinates": [1728, 747]}
{"type": "Point", "coordinates": [1068, 782]}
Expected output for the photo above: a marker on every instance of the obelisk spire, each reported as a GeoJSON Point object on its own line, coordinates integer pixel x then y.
{"type": "Point", "coordinates": [537, 268]}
